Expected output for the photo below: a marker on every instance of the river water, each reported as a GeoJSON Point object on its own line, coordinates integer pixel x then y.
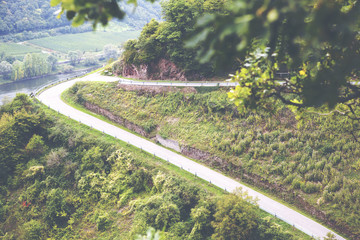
{"type": "Point", "coordinates": [9, 90]}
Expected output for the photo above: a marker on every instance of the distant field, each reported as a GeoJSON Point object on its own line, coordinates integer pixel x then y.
{"type": "Point", "coordinates": [89, 41]}
{"type": "Point", "coordinates": [14, 49]}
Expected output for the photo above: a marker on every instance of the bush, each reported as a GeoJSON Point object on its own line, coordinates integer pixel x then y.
{"type": "Point", "coordinates": [309, 187]}
{"type": "Point", "coordinates": [102, 222]}
{"type": "Point", "coordinates": [33, 230]}
{"type": "Point", "coordinates": [296, 183]}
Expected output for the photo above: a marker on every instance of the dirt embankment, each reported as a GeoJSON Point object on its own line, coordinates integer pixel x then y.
{"type": "Point", "coordinates": [235, 171]}
{"type": "Point", "coordinates": [161, 70]}
{"type": "Point", "coordinates": [154, 90]}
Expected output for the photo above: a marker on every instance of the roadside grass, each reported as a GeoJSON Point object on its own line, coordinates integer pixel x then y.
{"type": "Point", "coordinates": [89, 41]}
{"type": "Point", "coordinates": [157, 162]}
{"type": "Point", "coordinates": [17, 50]}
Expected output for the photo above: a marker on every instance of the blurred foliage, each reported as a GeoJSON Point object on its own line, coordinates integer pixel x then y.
{"type": "Point", "coordinates": [316, 41]}
{"type": "Point", "coordinates": [94, 11]}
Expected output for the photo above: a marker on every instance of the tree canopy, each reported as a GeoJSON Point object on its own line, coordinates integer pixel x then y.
{"type": "Point", "coordinates": [315, 41]}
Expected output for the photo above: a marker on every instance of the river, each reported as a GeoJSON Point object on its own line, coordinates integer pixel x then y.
{"type": "Point", "coordinates": [9, 90]}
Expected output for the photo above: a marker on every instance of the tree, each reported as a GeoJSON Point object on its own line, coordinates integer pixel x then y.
{"type": "Point", "coordinates": [52, 60]}
{"type": "Point", "coordinates": [33, 230]}
{"type": "Point", "coordinates": [74, 57]}
{"type": "Point", "coordinates": [57, 209]}
{"type": "Point", "coordinates": [18, 70]}
{"type": "Point", "coordinates": [316, 41]}
{"type": "Point", "coordinates": [35, 146]}
{"type": "Point", "coordinates": [90, 60]}
{"type": "Point", "coordinates": [111, 51]}
{"type": "Point", "coordinates": [34, 64]}
{"type": "Point", "coordinates": [235, 218]}
{"type": "Point", "coordinates": [6, 69]}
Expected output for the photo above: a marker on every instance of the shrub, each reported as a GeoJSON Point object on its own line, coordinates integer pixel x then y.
{"type": "Point", "coordinates": [57, 210]}
{"type": "Point", "coordinates": [2, 211]}
{"type": "Point", "coordinates": [36, 146]}
{"type": "Point", "coordinates": [33, 230]}
{"type": "Point", "coordinates": [102, 222]}
{"type": "Point", "coordinates": [335, 185]}
{"type": "Point", "coordinates": [296, 183]}
{"type": "Point", "coordinates": [55, 157]}
{"type": "Point", "coordinates": [309, 187]}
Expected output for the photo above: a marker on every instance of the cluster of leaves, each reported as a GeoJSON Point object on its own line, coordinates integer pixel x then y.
{"type": "Point", "coordinates": [165, 40]}
{"type": "Point", "coordinates": [315, 157]}
{"type": "Point", "coordinates": [97, 12]}
{"type": "Point", "coordinates": [59, 182]}
{"type": "Point", "coordinates": [316, 41]}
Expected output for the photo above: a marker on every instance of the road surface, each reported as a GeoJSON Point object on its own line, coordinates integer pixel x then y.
{"type": "Point", "coordinates": [51, 98]}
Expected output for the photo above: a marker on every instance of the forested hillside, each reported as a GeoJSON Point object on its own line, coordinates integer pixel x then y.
{"type": "Point", "coordinates": [165, 41]}
{"type": "Point", "coordinates": [60, 180]}
{"type": "Point", "coordinates": [311, 162]}
{"type": "Point", "coordinates": [23, 20]}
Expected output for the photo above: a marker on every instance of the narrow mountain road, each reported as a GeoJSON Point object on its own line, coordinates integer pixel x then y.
{"type": "Point", "coordinates": [51, 98]}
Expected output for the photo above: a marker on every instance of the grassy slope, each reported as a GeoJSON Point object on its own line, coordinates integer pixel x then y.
{"type": "Point", "coordinates": [316, 159]}
{"type": "Point", "coordinates": [89, 41]}
{"type": "Point", "coordinates": [164, 166]}
{"type": "Point", "coordinates": [88, 210]}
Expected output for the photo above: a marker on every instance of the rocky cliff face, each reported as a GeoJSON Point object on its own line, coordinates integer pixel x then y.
{"type": "Point", "coordinates": [161, 70]}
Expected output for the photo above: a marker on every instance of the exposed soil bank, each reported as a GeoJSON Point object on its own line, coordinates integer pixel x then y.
{"type": "Point", "coordinates": [161, 70]}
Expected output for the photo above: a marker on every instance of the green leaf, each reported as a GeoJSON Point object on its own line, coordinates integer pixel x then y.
{"type": "Point", "coordinates": [53, 3]}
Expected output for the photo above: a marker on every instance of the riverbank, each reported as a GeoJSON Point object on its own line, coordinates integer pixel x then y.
{"type": "Point", "coordinates": [6, 82]}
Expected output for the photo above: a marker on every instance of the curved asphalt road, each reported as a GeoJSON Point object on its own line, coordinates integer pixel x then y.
{"type": "Point", "coordinates": [51, 98]}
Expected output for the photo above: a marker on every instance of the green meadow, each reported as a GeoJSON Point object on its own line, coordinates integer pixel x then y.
{"type": "Point", "coordinates": [15, 49]}
{"type": "Point", "coordinates": [89, 41]}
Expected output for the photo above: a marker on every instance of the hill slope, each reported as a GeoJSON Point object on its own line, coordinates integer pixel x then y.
{"type": "Point", "coordinates": [313, 163]}
{"type": "Point", "coordinates": [61, 180]}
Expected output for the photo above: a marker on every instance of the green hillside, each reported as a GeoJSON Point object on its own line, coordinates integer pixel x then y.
{"type": "Point", "coordinates": [315, 159]}
{"type": "Point", "coordinates": [62, 180]}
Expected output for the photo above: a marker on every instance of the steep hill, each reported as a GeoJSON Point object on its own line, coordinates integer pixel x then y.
{"type": "Point", "coordinates": [61, 180]}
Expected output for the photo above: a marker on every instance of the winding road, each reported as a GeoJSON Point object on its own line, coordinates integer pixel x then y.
{"type": "Point", "coordinates": [51, 98]}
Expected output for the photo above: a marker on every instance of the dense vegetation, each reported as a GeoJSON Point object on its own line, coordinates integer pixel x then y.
{"type": "Point", "coordinates": [165, 40]}
{"type": "Point", "coordinates": [23, 20]}
{"type": "Point", "coordinates": [316, 158]}
{"type": "Point", "coordinates": [62, 181]}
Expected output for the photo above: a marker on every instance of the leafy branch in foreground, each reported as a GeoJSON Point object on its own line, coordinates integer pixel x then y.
{"type": "Point", "coordinates": [101, 11]}
{"type": "Point", "coordinates": [317, 42]}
